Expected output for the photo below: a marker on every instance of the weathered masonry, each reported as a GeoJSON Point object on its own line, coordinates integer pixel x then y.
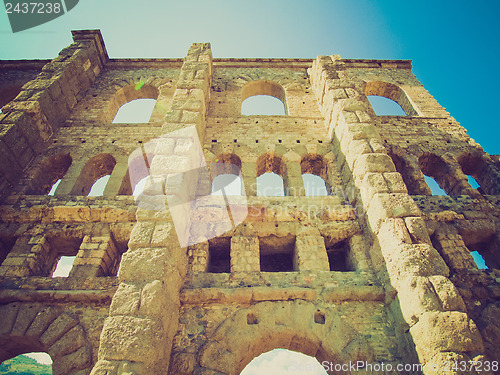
{"type": "Point", "coordinates": [378, 270]}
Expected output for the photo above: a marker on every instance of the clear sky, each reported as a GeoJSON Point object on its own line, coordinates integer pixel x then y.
{"type": "Point", "coordinates": [454, 45]}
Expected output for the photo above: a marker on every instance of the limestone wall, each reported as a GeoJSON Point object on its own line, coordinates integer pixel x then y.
{"type": "Point", "coordinates": [180, 281]}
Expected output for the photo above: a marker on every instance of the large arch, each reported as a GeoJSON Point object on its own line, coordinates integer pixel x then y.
{"type": "Point", "coordinates": [393, 92]}
{"type": "Point", "coordinates": [294, 325]}
{"type": "Point", "coordinates": [264, 87]}
{"type": "Point", "coordinates": [127, 94]}
{"type": "Point", "coordinates": [34, 327]}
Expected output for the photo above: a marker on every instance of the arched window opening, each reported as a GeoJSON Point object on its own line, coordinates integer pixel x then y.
{"type": "Point", "coordinates": [262, 105]}
{"type": "Point", "coordinates": [29, 363]}
{"type": "Point", "coordinates": [263, 98]}
{"type": "Point", "coordinates": [479, 260]}
{"type": "Point", "coordinates": [47, 175]}
{"type": "Point", "coordinates": [270, 172]}
{"type": "Point", "coordinates": [137, 111]}
{"type": "Point", "coordinates": [314, 186]}
{"type": "Point", "coordinates": [385, 107]}
{"type": "Point", "coordinates": [407, 171]}
{"type": "Point", "coordinates": [392, 92]}
{"type": "Point", "coordinates": [226, 172]}
{"type": "Point", "coordinates": [436, 174]}
{"type": "Point", "coordinates": [64, 266]}
{"type": "Point", "coordinates": [230, 184]}
{"type": "Point", "coordinates": [54, 187]}
{"type": "Point", "coordinates": [139, 187]}
{"type": "Point", "coordinates": [434, 186]}
{"type": "Point", "coordinates": [270, 185]}
{"type": "Point", "coordinates": [313, 169]}
{"type": "Point", "coordinates": [97, 167]}
{"type": "Point", "coordinates": [137, 174]}
{"type": "Point", "coordinates": [97, 189]}
{"type": "Point", "coordinates": [283, 361]}
{"type": "Point", "coordinates": [480, 173]}
{"type": "Point", "coordinates": [141, 98]}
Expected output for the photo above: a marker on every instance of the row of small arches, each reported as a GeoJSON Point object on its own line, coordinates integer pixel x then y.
{"type": "Point", "coordinates": [268, 98]}
{"type": "Point", "coordinates": [225, 173]}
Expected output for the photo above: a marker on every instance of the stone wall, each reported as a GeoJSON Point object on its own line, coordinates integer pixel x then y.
{"type": "Point", "coordinates": [181, 281]}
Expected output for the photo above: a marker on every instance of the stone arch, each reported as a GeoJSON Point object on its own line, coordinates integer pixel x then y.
{"type": "Point", "coordinates": [225, 163]}
{"type": "Point", "coordinates": [125, 94]}
{"type": "Point", "coordinates": [393, 92]}
{"type": "Point", "coordinates": [434, 166]}
{"type": "Point", "coordinates": [264, 87]}
{"type": "Point", "coordinates": [138, 164]}
{"type": "Point", "coordinates": [95, 168]}
{"type": "Point", "coordinates": [47, 172]}
{"type": "Point", "coordinates": [291, 325]}
{"type": "Point", "coordinates": [271, 162]}
{"type": "Point", "coordinates": [482, 170]}
{"type": "Point", "coordinates": [36, 327]}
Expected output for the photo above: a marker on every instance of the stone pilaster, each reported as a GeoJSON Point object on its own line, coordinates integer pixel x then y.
{"type": "Point", "coordinates": [143, 319]}
{"type": "Point", "coordinates": [428, 302]}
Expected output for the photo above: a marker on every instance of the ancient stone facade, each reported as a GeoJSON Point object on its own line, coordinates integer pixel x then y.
{"type": "Point", "coordinates": [379, 270]}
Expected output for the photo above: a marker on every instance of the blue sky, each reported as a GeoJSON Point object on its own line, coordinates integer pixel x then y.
{"type": "Point", "coordinates": [453, 44]}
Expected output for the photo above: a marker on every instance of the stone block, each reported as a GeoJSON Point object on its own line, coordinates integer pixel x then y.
{"type": "Point", "coordinates": [392, 205]}
{"type": "Point", "coordinates": [126, 299]}
{"type": "Point", "coordinates": [449, 331]}
{"type": "Point", "coordinates": [141, 234]}
{"type": "Point", "coordinates": [137, 339]}
{"type": "Point", "coordinates": [372, 163]}
{"type": "Point", "coordinates": [413, 260]}
{"type": "Point", "coordinates": [448, 295]}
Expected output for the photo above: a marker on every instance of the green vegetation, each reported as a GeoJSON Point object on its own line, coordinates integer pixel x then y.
{"type": "Point", "coordinates": [22, 365]}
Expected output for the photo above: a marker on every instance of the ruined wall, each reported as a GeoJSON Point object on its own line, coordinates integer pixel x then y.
{"type": "Point", "coordinates": [378, 270]}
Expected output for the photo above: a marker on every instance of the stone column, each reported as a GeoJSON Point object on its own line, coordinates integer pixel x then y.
{"type": "Point", "coordinates": [144, 313]}
{"type": "Point", "coordinates": [433, 311]}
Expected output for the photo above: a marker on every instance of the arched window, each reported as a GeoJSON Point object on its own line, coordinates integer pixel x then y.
{"type": "Point", "coordinates": [481, 173]}
{"type": "Point", "coordinates": [47, 176]}
{"type": "Point", "coordinates": [434, 186]}
{"type": "Point", "coordinates": [436, 173]}
{"type": "Point", "coordinates": [283, 361]}
{"type": "Point", "coordinates": [135, 112]}
{"type": "Point", "coordinates": [263, 98]}
{"type": "Point", "coordinates": [270, 172]}
{"type": "Point", "coordinates": [313, 169]}
{"type": "Point", "coordinates": [392, 92]}
{"type": "Point", "coordinates": [270, 184]}
{"type": "Point", "coordinates": [136, 101]}
{"type": "Point", "coordinates": [226, 173]}
{"type": "Point", "coordinates": [97, 167]}
{"type": "Point", "coordinates": [98, 187]}
{"type": "Point", "coordinates": [385, 107]}
{"type": "Point", "coordinates": [137, 175]}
